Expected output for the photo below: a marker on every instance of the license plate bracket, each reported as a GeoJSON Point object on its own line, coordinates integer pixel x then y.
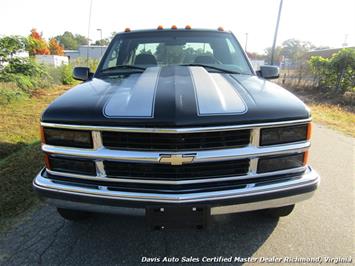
{"type": "Point", "coordinates": [171, 217]}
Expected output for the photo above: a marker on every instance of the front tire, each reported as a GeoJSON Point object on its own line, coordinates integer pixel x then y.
{"type": "Point", "coordinates": [73, 215]}
{"type": "Point", "coordinates": [279, 212]}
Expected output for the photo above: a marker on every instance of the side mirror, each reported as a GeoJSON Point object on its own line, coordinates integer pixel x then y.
{"type": "Point", "coordinates": [269, 72]}
{"type": "Point", "coordinates": [82, 73]}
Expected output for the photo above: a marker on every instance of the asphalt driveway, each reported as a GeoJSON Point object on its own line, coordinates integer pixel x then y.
{"type": "Point", "coordinates": [320, 227]}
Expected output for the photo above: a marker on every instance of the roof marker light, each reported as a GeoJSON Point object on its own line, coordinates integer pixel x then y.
{"type": "Point", "coordinates": [220, 28]}
{"type": "Point", "coordinates": [160, 27]}
{"type": "Point", "coordinates": [173, 27]}
{"type": "Point", "coordinates": [187, 27]}
{"type": "Point", "coordinates": [127, 30]}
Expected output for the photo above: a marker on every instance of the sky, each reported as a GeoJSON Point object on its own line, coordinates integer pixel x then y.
{"type": "Point", "coordinates": [322, 22]}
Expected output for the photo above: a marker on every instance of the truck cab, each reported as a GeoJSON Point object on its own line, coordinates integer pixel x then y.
{"type": "Point", "coordinates": [176, 123]}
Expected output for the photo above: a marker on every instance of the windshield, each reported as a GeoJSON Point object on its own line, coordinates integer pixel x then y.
{"type": "Point", "coordinates": [134, 51]}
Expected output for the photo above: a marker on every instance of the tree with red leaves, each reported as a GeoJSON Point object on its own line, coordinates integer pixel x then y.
{"type": "Point", "coordinates": [37, 45]}
{"type": "Point", "coordinates": [55, 48]}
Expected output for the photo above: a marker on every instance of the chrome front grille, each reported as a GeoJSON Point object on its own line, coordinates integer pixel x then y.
{"type": "Point", "coordinates": [175, 142]}
{"type": "Point", "coordinates": [129, 158]}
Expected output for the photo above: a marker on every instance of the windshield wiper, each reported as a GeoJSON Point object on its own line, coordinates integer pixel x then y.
{"type": "Point", "coordinates": [213, 67]}
{"type": "Point", "coordinates": [121, 67]}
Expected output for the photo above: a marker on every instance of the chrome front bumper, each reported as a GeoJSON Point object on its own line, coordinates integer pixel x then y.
{"type": "Point", "coordinates": [252, 197]}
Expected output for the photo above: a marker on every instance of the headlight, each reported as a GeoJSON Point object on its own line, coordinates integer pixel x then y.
{"type": "Point", "coordinates": [281, 135]}
{"type": "Point", "coordinates": [281, 162]}
{"type": "Point", "coordinates": [66, 137]}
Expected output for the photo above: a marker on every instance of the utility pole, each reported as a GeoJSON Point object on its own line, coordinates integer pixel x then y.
{"type": "Point", "coordinates": [345, 43]}
{"type": "Point", "coordinates": [88, 46]}
{"type": "Point", "coordinates": [100, 30]}
{"type": "Point", "coordinates": [275, 35]}
{"type": "Point", "coordinates": [246, 42]}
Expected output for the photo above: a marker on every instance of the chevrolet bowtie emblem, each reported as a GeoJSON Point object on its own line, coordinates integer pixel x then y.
{"type": "Point", "coordinates": [176, 159]}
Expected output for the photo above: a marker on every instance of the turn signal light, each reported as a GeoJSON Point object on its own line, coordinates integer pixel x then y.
{"type": "Point", "coordinates": [46, 162]}
{"type": "Point", "coordinates": [305, 157]}
{"type": "Point", "coordinates": [309, 130]}
{"type": "Point", "coordinates": [173, 27]}
{"type": "Point", "coordinates": [187, 27]}
{"type": "Point", "coordinates": [41, 133]}
{"type": "Point", "coordinates": [160, 27]}
{"type": "Point", "coordinates": [127, 30]}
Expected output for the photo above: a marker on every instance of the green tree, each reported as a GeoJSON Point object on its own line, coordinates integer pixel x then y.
{"type": "Point", "coordinates": [81, 39]}
{"type": "Point", "coordinates": [292, 49]}
{"type": "Point", "coordinates": [102, 42]}
{"type": "Point", "coordinates": [70, 41]}
{"type": "Point", "coordinates": [277, 54]}
{"type": "Point", "coordinates": [67, 40]}
{"type": "Point", "coordinates": [9, 45]}
{"type": "Point", "coordinates": [343, 63]}
{"type": "Point", "coordinates": [337, 73]}
{"type": "Point", "coordinates": [25, 72]}
{"type": "Point", "coordinates": [295, 49]}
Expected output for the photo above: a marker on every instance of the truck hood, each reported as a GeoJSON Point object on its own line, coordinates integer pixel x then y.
{"type": "Point", "coordinates": [175, 96]}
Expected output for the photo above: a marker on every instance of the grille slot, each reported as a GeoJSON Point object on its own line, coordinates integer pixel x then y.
{"type": "Point", "coordinates": [175, 142]}
{"type": "Point", "coordinates": [71, 165]}
{"type": "Point", "coordinates": [180, 172]}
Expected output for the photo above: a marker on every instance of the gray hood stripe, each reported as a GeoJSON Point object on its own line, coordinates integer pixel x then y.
{"type": "Point", "coordinates": [215, 95]}
{"type": "Point", "coordinates": [136, 100]}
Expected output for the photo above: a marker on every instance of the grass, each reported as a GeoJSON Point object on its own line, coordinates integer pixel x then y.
{"type": "Point", "coordinates": [9, 92]}
{"type": "Point", "coordinates": [20, 155]}
{"type": "Point", "coordinates": [334, 116]}
{"type": "Point", "coordinates": [19, 121]}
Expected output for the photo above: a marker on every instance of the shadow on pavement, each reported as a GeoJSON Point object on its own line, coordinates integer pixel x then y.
{"type": "Point", "coordinates": [46, 238]}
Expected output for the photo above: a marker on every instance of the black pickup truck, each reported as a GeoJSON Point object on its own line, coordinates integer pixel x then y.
{"type": "Point", "coordinates": [177, 123]}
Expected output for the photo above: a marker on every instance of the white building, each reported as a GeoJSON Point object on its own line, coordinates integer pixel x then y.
{"type": "Point", "coordinates": [71, 54]}
{"type": "Point", "coordinates": [19, 54]}
{"type": "Point", "coordinates": [54, 60]}
{"type": "Point", "coordinates": [84, 51]}
{"type": "Point", "coordinates": [257, 63]}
